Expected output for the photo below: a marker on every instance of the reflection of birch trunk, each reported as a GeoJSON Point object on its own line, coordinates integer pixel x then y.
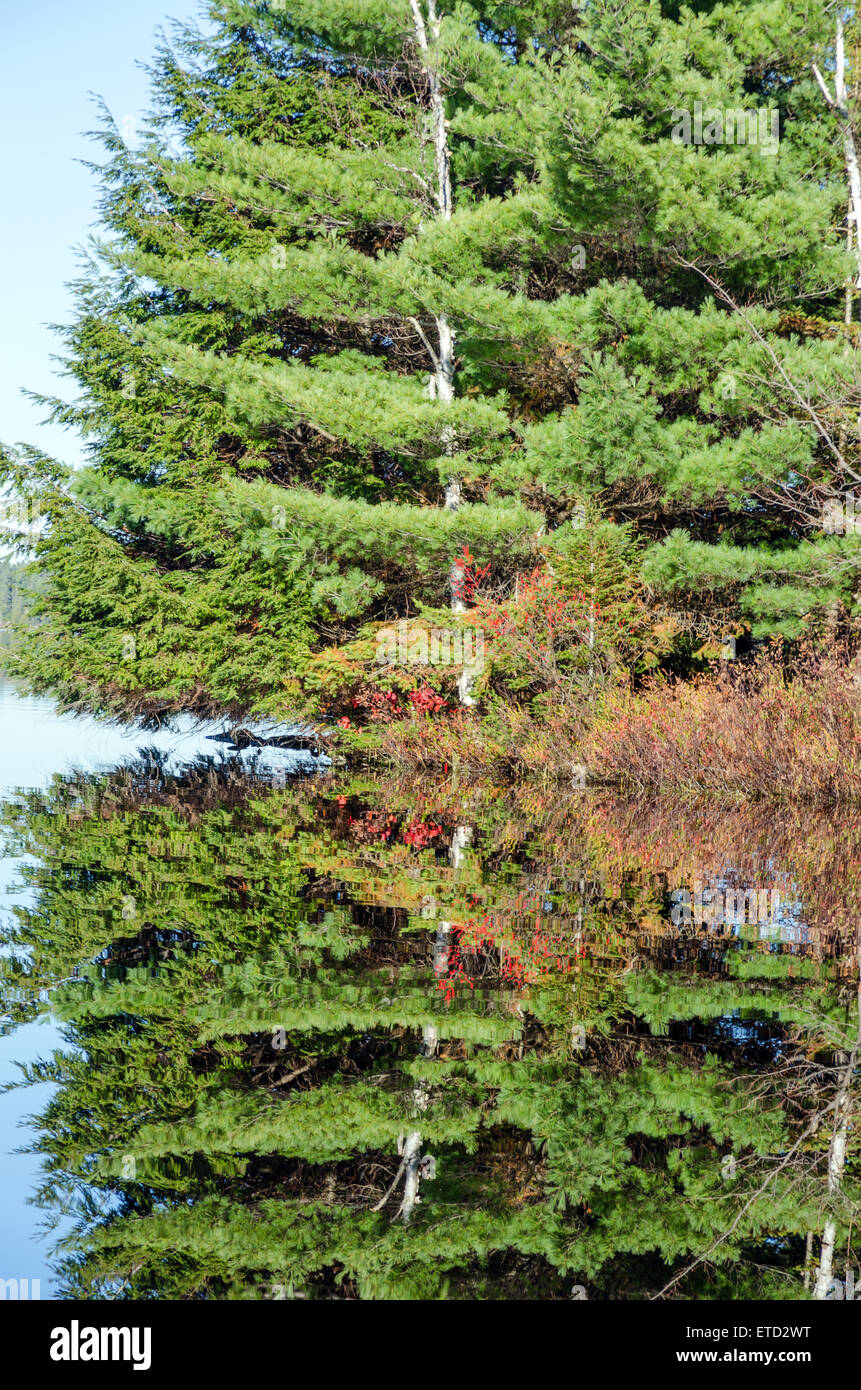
{"type": "Point", "coordinates": [412, 1164]}
{"type": "Point", "coordinates": [410, 1148]}
{"type": "Point", "coordinates": [842, 1110]}
{"type": "Point", "coordinates": [837, 1147]}
{"type": "Point", "coordinates": [441, 383]}
{"type": "Point", "coordinates": [412, 1151]}
{"type": "Point", "coordinates": [460, 841]}
{"type": "Point", "coordinates": [836, 1167]}
{"type": "Point", "coordinates": [412, 1161]}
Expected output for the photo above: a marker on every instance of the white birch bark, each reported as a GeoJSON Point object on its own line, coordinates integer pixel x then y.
{"type": "Point", "coordinates": [440, 129]}
{"type": "Point", "coordinates": [838, 103]}
{"type": "Point", "coordinates": [412, 1154]}
{"type": "Point", "coordinates": [836, 1166]}
{"type": "Point", "coordinates": [824, 1277]}
{"type": "Point", "coordinates": [440, 388]}
{"type": "Point", "coordinates": [412, 1164]}
{"type": "Point", "coordinates": [592, 626]}
{"type": "Point", "coordinates": [847, 316]}
{"type": "Point", "coordinates": [460, 841]}
{"type": "Point", "coordinates": [441, 383]}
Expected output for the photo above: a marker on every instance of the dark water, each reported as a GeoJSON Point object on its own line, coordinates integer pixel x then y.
{"type": "Point", "coordinates": [326, 1037]}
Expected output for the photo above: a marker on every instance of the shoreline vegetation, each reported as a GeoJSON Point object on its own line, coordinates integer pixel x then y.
{"type": "Point", "coordinates": [776, 725]}
{"type": "Point", "coordinates": [761, 732]}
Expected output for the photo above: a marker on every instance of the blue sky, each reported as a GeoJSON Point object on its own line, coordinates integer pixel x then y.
{"type": "Point", "coordinates": [53, 55]}
{"type": "Point", "coordinates": [34, 743]}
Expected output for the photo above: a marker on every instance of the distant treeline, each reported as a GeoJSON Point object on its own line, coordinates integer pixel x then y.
{"type": "Point", "coordinates": [16, 590]}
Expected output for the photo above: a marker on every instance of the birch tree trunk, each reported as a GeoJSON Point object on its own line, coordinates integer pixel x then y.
{"type": "Point", "coordinates": [838, 103]}
{"type": "Point", "coordinates": [808, 1259]}
{"type": "Point", "coordinates": [440, 388]}
{"type": "Point", "coordinates": [441, 384]}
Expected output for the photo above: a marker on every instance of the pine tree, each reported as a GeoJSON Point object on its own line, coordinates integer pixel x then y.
{"type": "Point", "coordinates": [380, 284]}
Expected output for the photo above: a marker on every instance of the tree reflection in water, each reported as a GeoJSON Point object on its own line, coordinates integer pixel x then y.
{"type": "Point", "coordinates": [389, 1041]}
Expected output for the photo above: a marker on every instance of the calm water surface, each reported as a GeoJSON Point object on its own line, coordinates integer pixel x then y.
{"type": "Point", "coordinates": [37, 744]}
{"type": "Point", "coordinates": [309, 1036]}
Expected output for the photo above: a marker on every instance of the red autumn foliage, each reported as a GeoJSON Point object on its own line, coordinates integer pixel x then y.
{"type": "Point", "coordinates": [427, 701]}
{"type": "Point", "coordinates": [421, 833]}
{"type": "Point", "coordinates": [467, 575]}
{"type": "Point", "coordinates": [521, 963]}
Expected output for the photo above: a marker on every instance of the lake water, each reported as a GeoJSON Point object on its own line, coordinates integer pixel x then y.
{"type": "Point", "coordinates": [322, 1035]}
{"type": "Point", "coordinates": [35, 745]}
